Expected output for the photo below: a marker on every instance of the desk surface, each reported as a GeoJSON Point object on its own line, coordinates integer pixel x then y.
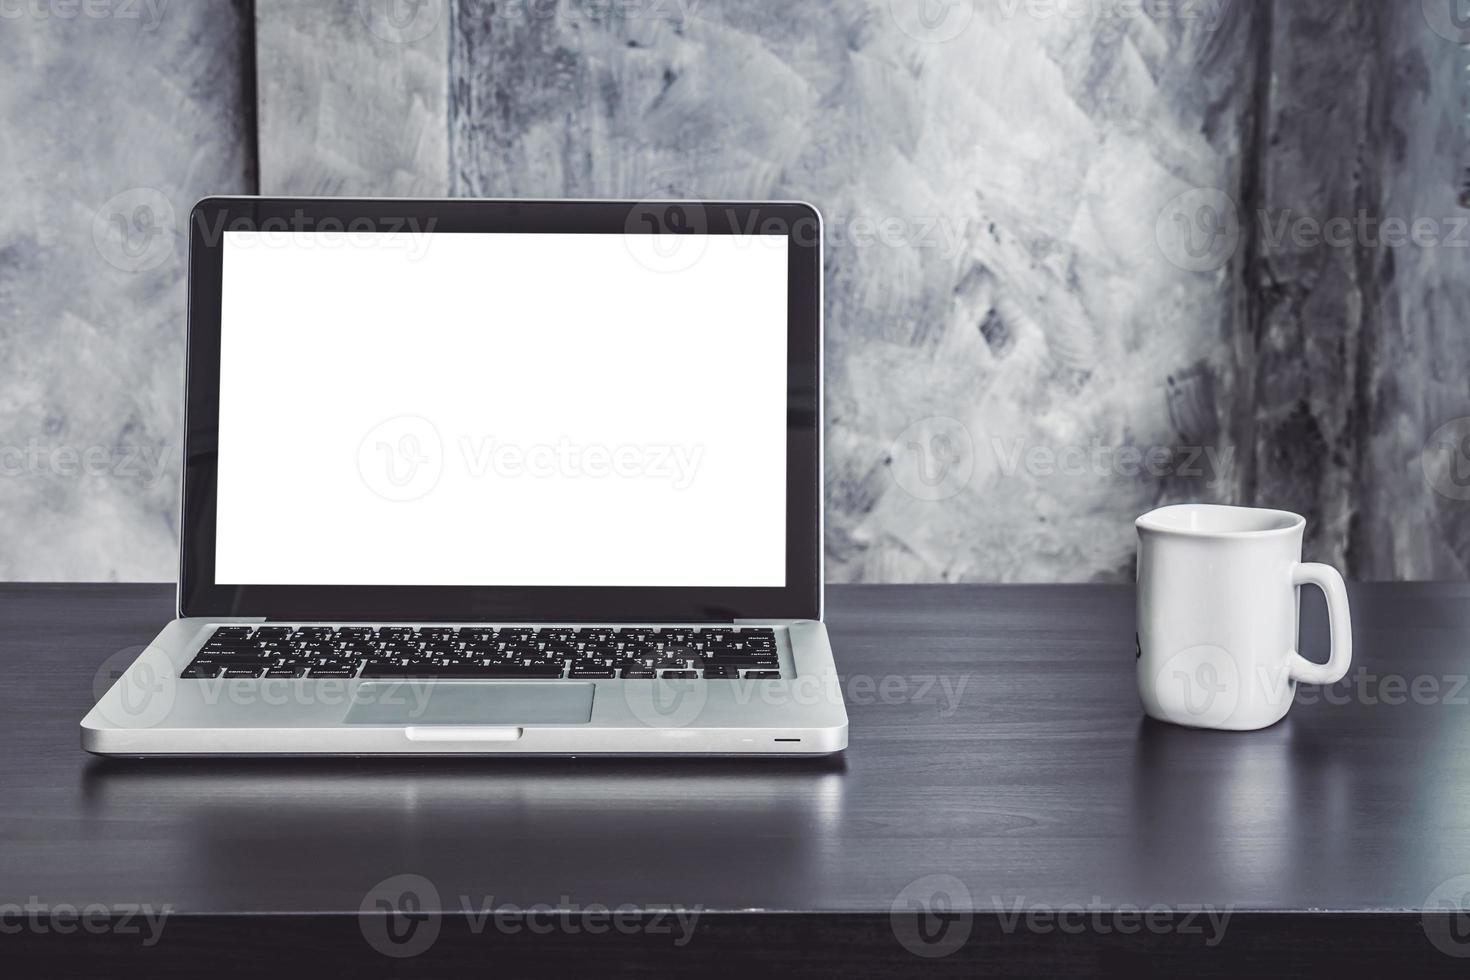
{"type": "Point", "coordinates": [995, 737]}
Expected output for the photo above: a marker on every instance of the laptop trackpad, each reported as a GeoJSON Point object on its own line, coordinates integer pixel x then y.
{"type": "Point", "coordinates": [424, 702]}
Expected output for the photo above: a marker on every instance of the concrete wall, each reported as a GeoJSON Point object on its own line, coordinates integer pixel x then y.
{"type": "Point", "coordinates": [997, 301]}
{"type": "Point", "coordinates": [115, 121]}
{"type": "Point", "coordinates": [1072, 270]}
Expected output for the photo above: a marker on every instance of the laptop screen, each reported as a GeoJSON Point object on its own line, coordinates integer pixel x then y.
{"type": "Point", "coordinates": [502, 410]}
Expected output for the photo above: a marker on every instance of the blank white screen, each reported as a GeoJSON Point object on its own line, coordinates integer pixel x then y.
{"type": "Point", "coordinates": [501, 409]}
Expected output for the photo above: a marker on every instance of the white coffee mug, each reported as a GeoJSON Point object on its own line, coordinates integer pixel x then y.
{"type": "Point", "coordinates": [1218, 615]}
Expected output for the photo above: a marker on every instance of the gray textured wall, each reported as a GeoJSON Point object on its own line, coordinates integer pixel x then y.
{"type": "Point", "coordinates": [990, 188]}
{"type": "Point", "coordinates": [116, 119]}
{"type": "Point", "coordinates": [353, 98]}
{"type": "Point", "coordinates": [1357, 340]}
{"type": "Point", "coordinates": [1077, 263]}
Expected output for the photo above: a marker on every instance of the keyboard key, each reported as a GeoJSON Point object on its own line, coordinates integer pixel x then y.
{"type": "Point", "coordinates": [580, 670]}
{"type": "Point", "coordinates": [240, 663]}
{"type": "Point", "coordinates": [336, 663]}
{"type": "Point", "coordinates": [720, 673]}
{"type": "Point", "coordinates": [492, 671]}
{"type": "Point", "coordinates": [744, 646]}
{"type": "Point", "coordinates": [522, 670]}
{"type": "Point", "coordinates": [638, 673]}
{"type": "Point", "coordinates": [546, 664]}
{"type": "Point", "coordinates": [725, 654]}
{"type": "Point", "coordinates": [763, 675]}
{"type": "Point", "coordinates": [231, 633]}
{"type": "Point", "coordinates": [748, 663]}
{"type": "Point", "coordinates": [214, 652]}
{"type": "Point", "coordinates": [629, 663]}
{"type": "Point", "coordinates": [680, 675]}
{"type": "Point", "coordinates": [202, 668]}
{"type": "Point", "coordinates": [243, 671]}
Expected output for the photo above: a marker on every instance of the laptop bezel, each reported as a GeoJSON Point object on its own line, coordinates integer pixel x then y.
{"type": "Point", "coordinates": [799, 598]}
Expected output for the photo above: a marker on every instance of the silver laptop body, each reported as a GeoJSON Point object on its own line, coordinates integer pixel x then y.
{"type": "Point", "coordinates": [495, 477]}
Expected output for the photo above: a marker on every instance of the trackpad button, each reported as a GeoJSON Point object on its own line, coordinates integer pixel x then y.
{"type": "Point", "coordinates": [426, 702]}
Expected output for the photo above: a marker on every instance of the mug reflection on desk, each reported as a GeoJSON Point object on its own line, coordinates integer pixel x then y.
{"type": "Point", "coordinates": [1224, 816]}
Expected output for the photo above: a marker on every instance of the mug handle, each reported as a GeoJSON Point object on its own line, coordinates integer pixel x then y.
{"type": "Point", "coordinates": [1339, 626]}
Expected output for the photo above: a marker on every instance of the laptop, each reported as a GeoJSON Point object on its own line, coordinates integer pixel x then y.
{"type": "Point", "coordinates": [495, 477]}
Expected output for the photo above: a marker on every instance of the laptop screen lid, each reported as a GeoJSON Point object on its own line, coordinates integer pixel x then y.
{"type": "Point", "coordinates": [495, 410]}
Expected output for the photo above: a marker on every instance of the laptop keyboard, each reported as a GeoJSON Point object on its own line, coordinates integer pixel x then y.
{"type": "Point", "coordinates": [486, 652]}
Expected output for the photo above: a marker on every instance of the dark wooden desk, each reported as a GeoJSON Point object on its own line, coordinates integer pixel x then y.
{"type": "Point", "coordinates": [996, 739]}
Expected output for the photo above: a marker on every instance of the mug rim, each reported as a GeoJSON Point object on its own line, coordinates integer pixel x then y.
{"type": "Point", "coordinates": [1290, 522]}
